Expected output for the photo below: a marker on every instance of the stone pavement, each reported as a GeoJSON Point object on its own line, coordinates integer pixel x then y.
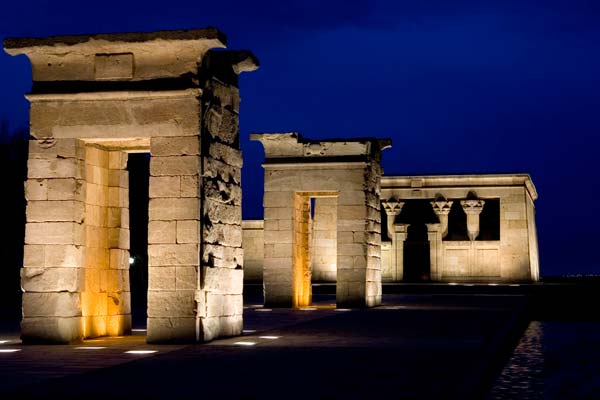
{"type": "Point", "coordinates": [438, 346]}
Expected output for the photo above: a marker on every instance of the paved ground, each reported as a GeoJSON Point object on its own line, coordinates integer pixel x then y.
{"type": "Point", "coordinates": [417, 346]}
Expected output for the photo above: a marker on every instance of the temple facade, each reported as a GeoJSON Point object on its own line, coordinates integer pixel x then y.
{"type": "Point", "coordinates": [442, 228]}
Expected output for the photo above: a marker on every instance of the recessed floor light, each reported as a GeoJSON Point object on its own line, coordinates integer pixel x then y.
{"type": "Point", "coordinates": [249, 331]}
{"type": "Point", "coordinates": [452, 283]}
{"type": "Point", "coordinates": [141, 351]}
{"type": "Point", "coordinates": [138, 330]}
{"type": "Point", "coordinates": [492, 284]}
{"type": "Point", "coordinates": [245, 343]}
{"type": "Point", "coordinates": [342, 309]}
{"type": "Point", "coordinates": [269, 337]}
{"type": "Point", "coordinates": [9, 350]}
{"type": "Point", "coordinates": [90, 348]}
{"type": "Point", "coordinates": [308, 308]}
{"type": "Point", "coordinates": [4, 341]}
{"type": "Point", "coordinates": [263, 309]}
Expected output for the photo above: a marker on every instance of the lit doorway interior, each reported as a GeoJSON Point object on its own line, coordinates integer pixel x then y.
{"type": "Point", "coordinates": [314, 244]}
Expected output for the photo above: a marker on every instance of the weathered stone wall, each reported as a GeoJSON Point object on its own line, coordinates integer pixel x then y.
{"type": "Point", "coordinates": [220, 302]}
{"type": "Point", "coordinates": [94, 98]}
{"type": "Point", "coordinates": [253, 243]}
{"type": "Point", "coordinates": [53, 277]}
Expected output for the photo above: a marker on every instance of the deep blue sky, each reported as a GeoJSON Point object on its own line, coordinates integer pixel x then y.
{"type": "Point", "coordinates": [461, 87]}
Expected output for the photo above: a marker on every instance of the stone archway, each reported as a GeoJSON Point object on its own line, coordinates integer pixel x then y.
{"type": "Point", "coordinates": [297, 169]}
{"type": "Point", "coordinates": [94, 99]}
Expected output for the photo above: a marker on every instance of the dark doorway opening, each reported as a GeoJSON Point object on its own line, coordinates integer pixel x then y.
{"type": "Point", "coordinates": [138, 165]}
{"type": "Point", "coordinates": [416, 254]}
{"type": "Point", "coordinates": [417, 213]}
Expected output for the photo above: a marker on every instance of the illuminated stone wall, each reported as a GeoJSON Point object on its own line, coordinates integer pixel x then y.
{"type": "Point", "coordinates": [94, 99]}
{"type": "Point", "coordinates": [512, 258]}
{"type": "Point", "coordinates": [324, 240]}
{"type": "Point", "coordinates": [348, 171]}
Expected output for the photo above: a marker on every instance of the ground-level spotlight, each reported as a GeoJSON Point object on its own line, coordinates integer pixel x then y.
{"type": "Point", "coordinates": [244, 343]}
{"type": "Point", "coordinates": [90, 347]}
{"type": "Point", "coordinates": [138, 330]}
{"type": "Point", "coordinates": [492, 284]}
{"type": "Point", "coordinates": [249, 331]}
{"type": "Point", "coordinates": [263, 309]}
{"type": "Point", "coordinates": [131, 260]}
{"type": "Point", "coordinates": [141, 351]}
{"type": "Point", "coordinates": [9, 350]}
{"type": "Point", "coordinates": [342, 309]}
{"type": "Point", "coordinates": [269, 337]}
{"type": "Point", "coordinates": [307, 308]}
{"type": "Point", "coordinates": [452, 283]}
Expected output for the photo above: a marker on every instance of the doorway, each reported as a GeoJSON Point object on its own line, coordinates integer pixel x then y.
{"type": "Point", "coordinates": [138, 166]}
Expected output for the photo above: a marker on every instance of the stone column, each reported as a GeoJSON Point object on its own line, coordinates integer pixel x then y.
{"type": "Point", "coordinates": [53, 273]}
{"type": "Point", "coordinates": [472, 208]}
{"type": "Point", "coordinates": [400, 233]}
{"type": "Point", "coordinates": [392, 209]}
{"type": "Point", "coordinates": [441, 208]}
{"type": "Point", "coordinates": [434, 234]}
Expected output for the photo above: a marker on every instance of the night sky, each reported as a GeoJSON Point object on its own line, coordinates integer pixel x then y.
{"type": "Point", "coordinates": [460, 87]}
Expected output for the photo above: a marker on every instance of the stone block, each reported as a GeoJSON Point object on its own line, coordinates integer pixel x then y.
{"type": "Point", "coordinates": [222, 280]}
{"type": "Point", "coordinates": [178, 303]}
{"type": "Point", "coordinates": [36, 189]}
{"type": "Point", "coordinates": [224, 234]}
{"type": "Point", "coordinates": [231, 325]}
{"type": "Point", "coordinates": [66, 189]}
{"type": "Point", "coordinates": [189, 186]}
{"type": "Point", "coordinates": [222, 256]}
{"type": "Point", "coordinates": [223, 213]}
{"type": "Point", "coordinates": [188, 231]}
{"type": "Point", "coordinates": [163, 232]}
{"type": "Point", "coordinates": [175, 146]}
{"type": "Point", "coordinates": [56, 148]}
{"type": "Point", "coordinates": [174, 209]}
{"type": "Point", "coordinates": [54, 168]}
{"type": "Point", "coordinates": [174, 165]}
{"type": "Point", "coordinates": [214, 168]}
{"type": "Point", "coordinates": [117, 160]}
{"type": "Point", "coordinates": [51, 304]}
{"type": "Point", "coordinates": [164, 186]}
{"type": "Point", "coordinates": [119, 259]}
{"type": "Point", "coordinates": [171, 330]}
{"type": "Point", "coordinates": [54, 233]}
{"type": "Point", "coordinates": [173, 254]}
{"type": "Point", "coordinates": [55, 211]}
{"type": "Point", "coordinates": [96, 157]}
{"type": "Point", "coordinates": [52, 279]}
{"type": "Point", "coordinates": [186, 278]}
{"type": "Point", "coordinates": [51, 329]}
{"type": "Point", "coordinates": [161, 278]}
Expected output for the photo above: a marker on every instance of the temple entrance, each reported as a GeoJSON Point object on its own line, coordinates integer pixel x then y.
{"type": "Point", "coordinates": [314, 243]}
{"type": "Point", "coordinates": [417, 214]}
{"type": "Point", "coordinates": [416, 254]}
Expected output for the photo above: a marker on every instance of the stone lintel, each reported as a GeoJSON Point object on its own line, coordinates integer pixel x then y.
{"type": "Point", "coordinates": [293, 146]}
{"type": "Point", "coordinates": [118, 57]}
{"type": "Point", "coordinates": [460, 181]}
{"type": "Point", "coordinates": [208, 33]}
{"type": "Point", "coordinates": [113, 95]}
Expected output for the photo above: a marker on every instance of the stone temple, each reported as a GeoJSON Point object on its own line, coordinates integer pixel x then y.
{"type": "Point", "coordinates": [329, 213]}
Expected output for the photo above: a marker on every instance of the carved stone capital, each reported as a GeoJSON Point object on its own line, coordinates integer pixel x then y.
{"type": "Point", "coordinates": [392, 207]}
{"type": "Point", "coordinates": [472, 206]}
{"type": "Point", "coordinates": [441, 207]}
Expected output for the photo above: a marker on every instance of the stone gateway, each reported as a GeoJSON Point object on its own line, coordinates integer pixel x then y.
{"type": "Point", "coordinates": [95, 99]}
